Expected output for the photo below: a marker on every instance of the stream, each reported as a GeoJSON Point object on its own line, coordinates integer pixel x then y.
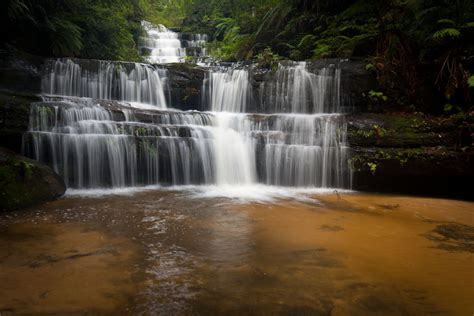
{"type": "Point", "coordinates": [169, 251]}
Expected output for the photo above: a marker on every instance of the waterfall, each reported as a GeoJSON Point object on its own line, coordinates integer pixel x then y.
{"type": "Point", "coordinates": [229, 90]}
{"type": "Point", "coordinates": [89, 129]}
{"type": "Point", "coordinates": [95, 147]}
{"type": "Point", "coordinates": [235, 153]}
{"type": "Point", "coordinates": [297, 90]}
{"type": "Point", "coordinates": [106, 80]}
{"type": "Point", "coordinates": [163, 46]}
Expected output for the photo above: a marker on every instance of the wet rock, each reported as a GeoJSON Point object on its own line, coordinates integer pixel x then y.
{"type": "Point", "coordinates": [330, 228]}
{"type": "Point", "coordinates": [186, 82]}
{"type": "Point", "coordinates": [14, 118]}
{"type": "Point", "coordinates": [401, 130]}
{"type": "Point", "coordinates": [409, 153]}
{"type": "Point", "coordinates": [425, 170]}
{"type": "Point", "coordinates": [453, 237]}
{"type": "Point", "coordinates": [20, 71]}
{"type": "Point", "coordinates": [25, 182]}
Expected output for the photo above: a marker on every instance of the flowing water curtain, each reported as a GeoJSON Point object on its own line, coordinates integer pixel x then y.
{"type": "Point", "coordinates": [91, 147]}
{"type": "Point", "coordinates": [132, 82]}
{"type": "Point", "coordinates": [229, 90]}
{"type": "Point", "coordinates": [294, 89]}
{"type": "Point", "coordinates": [283, 149]}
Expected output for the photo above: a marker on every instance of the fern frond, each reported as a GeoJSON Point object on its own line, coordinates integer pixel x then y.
{"type": "Point", "coordinates": [451, 33]}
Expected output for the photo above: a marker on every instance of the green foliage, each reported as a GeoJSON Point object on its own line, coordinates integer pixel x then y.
{"type": "Point", "coordinates": [267, 57]}
{"type": "Point", "coordinates": [322, 50]}
{"type": "Point", "coordinates": [451, 33]}
{"type": "Point", "coordinates": [451, 108]}
{"type": "Point", "coordinates": [169, 13]}
{"type": "Point", "coordinates": [65, 37]}
{"type": "Point", "coordinates": [372, 167]}
{"type": "Point", "coordinates": [470, 81]}
{"type": "Point", "coordinates": [377, 96]}
{"type": "Point", "coordinates": [101, 29]}
{"type": "Point", "coordinates": [25, 168]}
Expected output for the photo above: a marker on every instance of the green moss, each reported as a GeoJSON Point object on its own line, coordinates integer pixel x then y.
{"type": "Point", "coordinates": [373, 159]}
{"type": "Point", "coordinates": [15, 191]}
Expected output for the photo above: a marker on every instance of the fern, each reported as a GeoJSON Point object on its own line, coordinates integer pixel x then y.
{"type": "Point", "coordinates": [307, 40]}
{"type": "Point", "coordinates": [66, 37]}
{"type": "Point", "coordinates": [470, 81]}
{"type": "Point", "coordinates": [447, 22]}
{"type": "Point", "coordinates": [17, 9]}
{"type": "Point", "coordinates": [451, 33]}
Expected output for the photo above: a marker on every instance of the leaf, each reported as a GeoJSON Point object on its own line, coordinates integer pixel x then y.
{"type": "Point", "coordinates": [451, 33]}
{"type": "Point", "coordinates": [66, 37]}
{"type": "Point", "coordinates": [470, 81]}
{"type": "Point", "coordinates": [447, 21]}
{"type": "Point", "coordinates": [307, 40]}
{"type": "Point", "coordinates": [16, 9]}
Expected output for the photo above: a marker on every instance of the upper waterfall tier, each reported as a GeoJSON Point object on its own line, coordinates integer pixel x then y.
{"type": "Point", "coordinates": [162, 45]}
{"type": "Point", "coordinates": [107, 80]}
{"type": "Point", "coordinates": [292, 88]}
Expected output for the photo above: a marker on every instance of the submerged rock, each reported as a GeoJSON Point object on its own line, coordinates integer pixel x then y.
{"type": "Point", "coordinates": [25, 182]}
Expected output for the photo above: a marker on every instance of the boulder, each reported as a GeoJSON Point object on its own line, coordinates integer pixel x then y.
{"type": "Point", "coordinates": [25, 182]}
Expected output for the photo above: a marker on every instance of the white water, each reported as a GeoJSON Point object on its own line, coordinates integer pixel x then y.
{"type": "Point", "coordinates": [165, 46]}
{"type": "Point", "coordinates": [106, 80]}
{"type": "Point", "coordinates": [297, 90]}
{"type": "Point", "coordinates": [114, 146]}
{"type": "Point", "coordinates": [229, 90]}
{"type": "Point", "coordinates": [235, 153]}
{"type": "Point", "coordinates": [241, 193]}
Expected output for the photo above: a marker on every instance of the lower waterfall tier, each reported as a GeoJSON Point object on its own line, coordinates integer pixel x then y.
{"type": "Point", "coordinates": [115, 145]}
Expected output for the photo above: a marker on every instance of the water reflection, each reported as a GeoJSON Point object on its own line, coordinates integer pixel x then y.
{"type": "Point", "coordinates": [167, 252]}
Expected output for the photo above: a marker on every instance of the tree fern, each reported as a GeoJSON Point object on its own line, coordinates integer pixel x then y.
{"type": "Point", "coordinates": [66, 37]}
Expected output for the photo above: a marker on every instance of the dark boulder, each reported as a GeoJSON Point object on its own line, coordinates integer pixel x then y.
{"type": "Point", "coordinates": [25, 182]}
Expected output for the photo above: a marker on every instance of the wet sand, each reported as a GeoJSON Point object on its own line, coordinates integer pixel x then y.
{"type": "Point", "coordinates": [165, 252]}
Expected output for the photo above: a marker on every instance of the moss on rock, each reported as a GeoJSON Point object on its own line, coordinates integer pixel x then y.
{"type": "Point", "coordinates": [25, 182]}
{"type": "Point", "coordinates": [14, 118]}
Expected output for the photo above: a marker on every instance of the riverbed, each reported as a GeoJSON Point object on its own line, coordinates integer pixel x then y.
{"type": "Point", "coordinates": [185, 251]}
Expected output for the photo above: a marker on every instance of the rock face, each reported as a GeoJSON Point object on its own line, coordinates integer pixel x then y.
{"type": "Point", "coordinates": [412, 154]}
{"type": "Point", "coordinates": [24, 182]}
{"type": "Point", "coordinates": [20, 72]}
{"type": "Point", "coordinates": [185, 83]}
{"type": "Point", "coordinates": [14, 118]}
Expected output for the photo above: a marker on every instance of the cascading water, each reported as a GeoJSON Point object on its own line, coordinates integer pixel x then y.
{"type": "Point", "coordinates": [304, 148]}
{"type": "Point", "coordinates": [165, 46]}
{"type": "Point", "coordinates": [106, 80]}
{"type": "Point", "coordinates": [95, 142]}
{"type": "Point", "coordinates": [229, 90]}
{"type": "Point", "coordinates": [297, 90]}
